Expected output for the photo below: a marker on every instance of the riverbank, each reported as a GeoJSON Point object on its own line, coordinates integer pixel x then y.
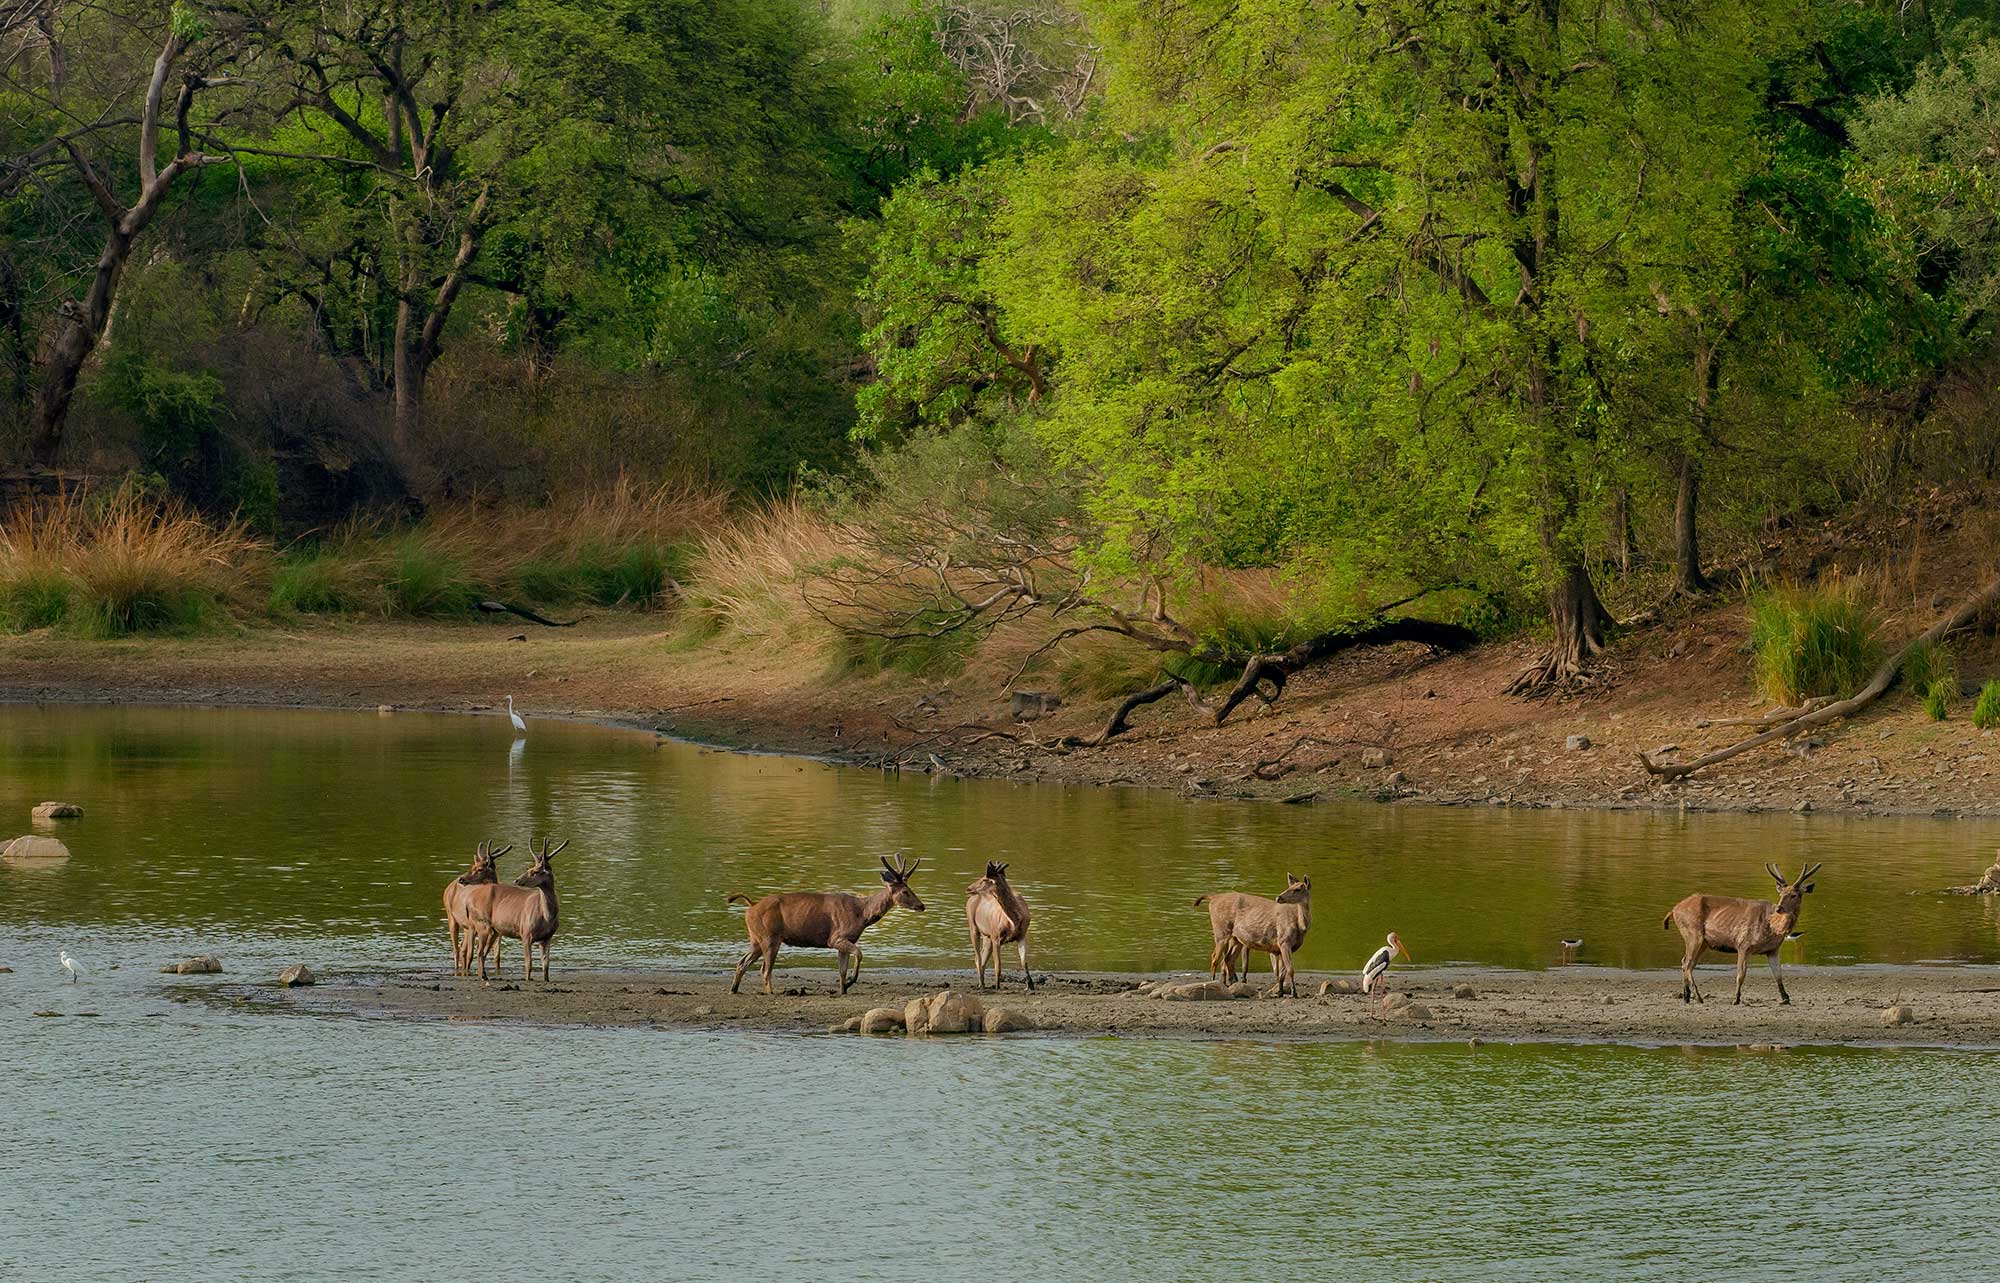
{"type": "Point", "coordinates": [1397, 724]}
{"type": "Point", "coordinates": [1949, 1007]}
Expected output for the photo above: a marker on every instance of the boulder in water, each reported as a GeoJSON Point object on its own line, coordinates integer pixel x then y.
{"type": "Point", "coordinates": [881, 1020]}
{"type": "Point", "coordinates": [1001, 1020]}
{"type": "Point", "coordinates": [58, 811]}
{"type": "Point", "coordinates": [952, 1012]}
{"type": "Point", "coordinates": [917, 1015]}
{"type": "Point", "coordinates": [291, 977]}
{"type": "Point", "coordinates": [206, 964]}
{"type": "Point", "coordinates": [34, 849]}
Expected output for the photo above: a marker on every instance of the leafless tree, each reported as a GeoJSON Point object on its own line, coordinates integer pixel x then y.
{"type": "Point", "coordinates": [1035, 61]}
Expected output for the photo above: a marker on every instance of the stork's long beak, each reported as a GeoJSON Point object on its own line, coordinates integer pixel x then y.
{"type": "Point", "coordinates": [1404, 950]}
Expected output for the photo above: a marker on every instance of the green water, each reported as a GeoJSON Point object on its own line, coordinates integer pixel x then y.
{"type": "Point", "coordinates": [160, 1139]}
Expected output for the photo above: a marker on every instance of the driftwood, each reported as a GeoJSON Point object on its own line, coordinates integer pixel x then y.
{"type": "Point", "coordinates": [1273, 671]}
{"type": "Point", "coordinates": [1884, 678]}
{"type": "Point", "coordinates": [1771, 718]}
{"type": "Point", "coordinates": [502, 608]}
{"type": "Point", "coordinates": [1139, 699]}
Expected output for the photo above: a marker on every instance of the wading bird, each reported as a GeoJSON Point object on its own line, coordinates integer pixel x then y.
{"type": "Point", "coordinates": [520, 727]}
{"type": "Point", "coordinates": [1570, 947]}
{"type": "Point", "coordinates": [72, 966]}
{"type": "Point", "coordinates": [1375, 972]}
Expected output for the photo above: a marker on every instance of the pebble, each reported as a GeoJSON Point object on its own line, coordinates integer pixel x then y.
{"type": "Point", "coordinates": [1577, 743]}
{"type": "Point", "coordinates": [1464, 991]}
{"type": "Point", "coordinates": [1899, 1015]}
{"type": "Point", "coordinates": [702, 1011]}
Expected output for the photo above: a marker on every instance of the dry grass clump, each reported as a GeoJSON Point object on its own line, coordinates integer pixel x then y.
{"type": "Point", "coordinates": [748, 576]}
{"type": "Point", "coordinates": [119, 564]}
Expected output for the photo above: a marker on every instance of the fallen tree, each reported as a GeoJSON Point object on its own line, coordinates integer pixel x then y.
{"type": "Point", "coordinates": [1884, 677]}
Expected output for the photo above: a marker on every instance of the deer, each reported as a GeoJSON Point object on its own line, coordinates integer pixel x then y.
{"type": "Point", "coordinates": [1242, 922]}
{"type": "Point", "coordinates": [995, 914]}
{"type": "Point", "coordinates": [1743, 927]}
{"type": "Point", "coordinates": [482, 872]}
{"type": "Point", "coordinates": [525, 911]}
{"type": "Point", "coordinates": [821, 920]}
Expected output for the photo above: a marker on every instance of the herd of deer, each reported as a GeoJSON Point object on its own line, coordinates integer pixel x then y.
{"type": "Point", "coordinates": [480, 912]}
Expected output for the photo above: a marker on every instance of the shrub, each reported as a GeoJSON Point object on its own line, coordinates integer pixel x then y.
{"type": "Point", "coordinates": [1813, 641]}
{"type": "Point", "coordinates": [428, 577]}
{"type": "Point", "coordinates": [325, 581]}
{"type": "Point", "coordinates": [1924, 664]}
{"type": "Point", "coordinates": [33, 597]}
{"type": "Point", "coordinates": [1986, 711]}
{"type": "Point", "coordinates": [1938, 696]}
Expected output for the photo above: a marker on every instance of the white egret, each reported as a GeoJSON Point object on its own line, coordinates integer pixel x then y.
{"type": "Point", "coordinates": [1375, 971]}
{"type": "Point", "coordinates": [520, 727]}
{"type": "Point", "coordinates": [72, 966]}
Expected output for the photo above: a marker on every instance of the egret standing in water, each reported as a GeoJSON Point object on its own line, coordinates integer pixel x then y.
{"type": "Point", "coordinates": [520, 727]}
{"type": "Point", "coordinates": [72, 966]}
{"type": "Point", "coordinates": [1374, 973]}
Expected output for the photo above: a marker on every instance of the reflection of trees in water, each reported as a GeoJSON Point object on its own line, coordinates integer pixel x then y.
{"type": "Point", "coordinates": [349, 823]}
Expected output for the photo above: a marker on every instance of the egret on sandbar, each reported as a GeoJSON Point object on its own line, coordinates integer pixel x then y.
{"type": "Point", "coordinates": [72, 966]}
{"type": "Point", "coordinates": [1375, 970]}
{"type": "Point", "coordinates": [520, 726]}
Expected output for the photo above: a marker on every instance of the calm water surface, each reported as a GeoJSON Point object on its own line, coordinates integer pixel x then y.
{"type": "Point", "coordinates": [172, 1140]}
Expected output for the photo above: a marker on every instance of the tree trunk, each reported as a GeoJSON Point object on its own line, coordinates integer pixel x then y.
{"type": "Point", "coordinates": [1577, 618]}
{"type": "Point", "coordinates": [76, 337]}
{"type": "Point", "coordinates": [1687, 549]}
{"type": "Point", "coordinates": [1621, 530]}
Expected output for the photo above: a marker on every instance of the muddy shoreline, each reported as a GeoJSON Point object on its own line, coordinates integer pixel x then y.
{"type": "Point", "coordinates": [1832, 1006]}
{"type": "Point", "coordinates": [1391, 727]}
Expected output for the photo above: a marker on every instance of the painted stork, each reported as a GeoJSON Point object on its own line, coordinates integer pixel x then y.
{"type": "Point", "coordinates": [1376, 969]}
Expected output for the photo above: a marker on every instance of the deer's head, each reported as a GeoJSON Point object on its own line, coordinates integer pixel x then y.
{"type": "Point", "coordinates": [1790, 892]}
{"type": "Point", "coordinates": [897, 875]}
{"type": "Point", "coordinates": [990, 884]}
{"type": "Point", "coordinates": [1297, 891]}
{"type": "Point", "coordinates": [541, 873]}
{"type": "Point", "coordinates": [484, 867]}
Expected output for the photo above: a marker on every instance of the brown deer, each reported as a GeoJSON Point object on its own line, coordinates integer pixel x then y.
{"type": "Point", "coordinates": [996, 914]}
{"type": "Point", "coordinates": [822, 920]}
{"type": "Point", "coordinates": [1743, 927]}
{"type": "Point", "coordinates": [482, 872]}
{"type": "Point", "coordinates": [525, 911]}
{"type": "Point", "coordinates": [1242, 922]}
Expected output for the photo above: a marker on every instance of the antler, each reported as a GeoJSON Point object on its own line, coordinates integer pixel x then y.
{"type": "Point", "coordinates": [494, 855]}
{"type": "Point", "coordinates": [901, 870]}
{"type": "Point", "coordinates": [1810, 870]}
{"type": "Point", "coordinates": [1772, 869]}
{"type": "Point", "coordinates": [545, 854]}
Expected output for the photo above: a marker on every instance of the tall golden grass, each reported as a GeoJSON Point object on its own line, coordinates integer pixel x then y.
{"type": "Point", "coordinates": [119, 564]}
{"type": "Point", "coordinates": [748, 576]}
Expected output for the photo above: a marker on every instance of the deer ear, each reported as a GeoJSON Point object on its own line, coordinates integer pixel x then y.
{"type": "Point", "coordinates": [1807, 887]}
{"type": "Point", "coordinates": [888, 877]}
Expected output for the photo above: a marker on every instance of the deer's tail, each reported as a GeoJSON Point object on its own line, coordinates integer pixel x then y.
{"type": "Point", "coordinates": [1667, 921]}
{"type": "Point", "coordinates": [1198, 899]}
{"type": "Point", "coordinates": [737, 897]}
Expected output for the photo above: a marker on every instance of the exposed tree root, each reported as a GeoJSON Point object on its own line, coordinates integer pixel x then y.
{"type": "Point", "coordinates": [1884, 678]}
{"type": "Point", "coordinates": [1771, 718]}
{"type": "Point", "coordinates": [502, 608]}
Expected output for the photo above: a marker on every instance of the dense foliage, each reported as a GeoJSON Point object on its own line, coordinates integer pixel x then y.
{"type": "Point", "coordinates": [1533, 302]}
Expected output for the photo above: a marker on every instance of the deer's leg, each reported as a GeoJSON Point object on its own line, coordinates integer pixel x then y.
{"type": "Point", "coordinates": [743, 965]}
{"type": "Point", "coordinates": [1742, 969]}
{"type": "Point", "coordinates": [978, 954]}
{"type": "Point", "coordinates": [842, 952]}
{"type": "Point", "coordinates": [545, 962]}
{"type": "Point", "coordinates": [1688, 986]}
{"type": "Point", "coordinates": [451, 929]}
{"type": "Point", "coordinates": [770, 961]}
{"type": "Point", "coordinates": [1778, 974]}
{"type": "Point", "coordinates": [1026, 975]}
{"type": "Point", "coordinates": [527, 957]}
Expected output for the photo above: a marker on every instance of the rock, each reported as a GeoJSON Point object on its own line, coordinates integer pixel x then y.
{"type": "Point", "coordinates": [1375, 759]}
{"type": "Point", "coordinates": [206, 964]}
{"type": "Point", "coordinates": [385, 709]}
{"type": "Point", "coordinates": [880, 1020]}
{"type": "Point", "coordinates": [1464, 991]}
{"type": "Point", "coordinates": [34, 850]}
{"type": "Point", "coordinates": [1027, 706]}
{"type": "Point", "coordinates": [1416, 1011]}
{"type": "Point", "coordinates": [999, 1020]}
{"type": "Point", "coordinates": [1397, 1001]}
{"type": "Point", "coordinates": [952, 1012]}
{"type": "Point", "coordinates": [703, 1010]}
{"type": "Point", "coordinates": [1475, 1043]}
{"type": "Point", "coordinates": [917, 1016]}
{"type": "Point", "coordinates": [1199, 991]}
{"type": "Point", "coordinates": [1242, 989]}
{"type": "Point", "coordinates": [58, 811]}
{"type": "Point", "coordinates": [1802, 806]}
{"type": "Point", "coordinates": [293, 977]}
{"type": "Point", "coordinates": [1577, 743]}
{"type": "Point", "coordinates": [1336, 986]}
{"type": "Point", "coordinates": [1396, 779]}
{"type": "Point", "coordinates": [1900, 1015]}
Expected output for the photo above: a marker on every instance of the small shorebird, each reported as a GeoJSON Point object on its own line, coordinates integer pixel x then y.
{"type": "Point", "coordinates": [72, 966]}
{"type": "Point", "coordinates": [1570, 947]}
{"type": "Point", "coordinates": [1374, 972]}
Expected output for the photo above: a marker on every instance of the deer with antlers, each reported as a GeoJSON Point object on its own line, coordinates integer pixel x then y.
{"type": "Point", "coordinates": [1731, 924]}
{"type": "Point", "coordinates": [822, 920]}
{"type": "Point", "coordinates": [483, 872]}
{"type": "Point", "coordinates": [996, 914]}
{"type": "Point", "coordinates": [525, 911]}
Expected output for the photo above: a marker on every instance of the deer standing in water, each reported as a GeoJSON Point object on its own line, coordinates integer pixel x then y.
{"type": "Point", "coordinates": [1731, 924]}
{"type": "Point", "coordinates": [526, 911]}
{"type": "Point", "coordinates": [1241, 922]}
{"type": "Point", "coordinates": [482, 873]}
{"type": "Point", "coordinates": [822, 920]}
{"type": "Point", "coordinates": [996, 914]}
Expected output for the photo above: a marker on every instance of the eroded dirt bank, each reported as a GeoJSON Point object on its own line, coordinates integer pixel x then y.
{"type": "Point", "coordinates": [1398, 724]}
{"type": "Point", "coordinates": [1958, 1006]}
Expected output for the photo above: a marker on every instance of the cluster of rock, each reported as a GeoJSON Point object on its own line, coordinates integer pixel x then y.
{"type": "Point", "coordinates": [948, 1011]}
{"type": "Point", "coordinates": [206, 964]}
{"type": "Point", "coordinates": [35, 848]}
